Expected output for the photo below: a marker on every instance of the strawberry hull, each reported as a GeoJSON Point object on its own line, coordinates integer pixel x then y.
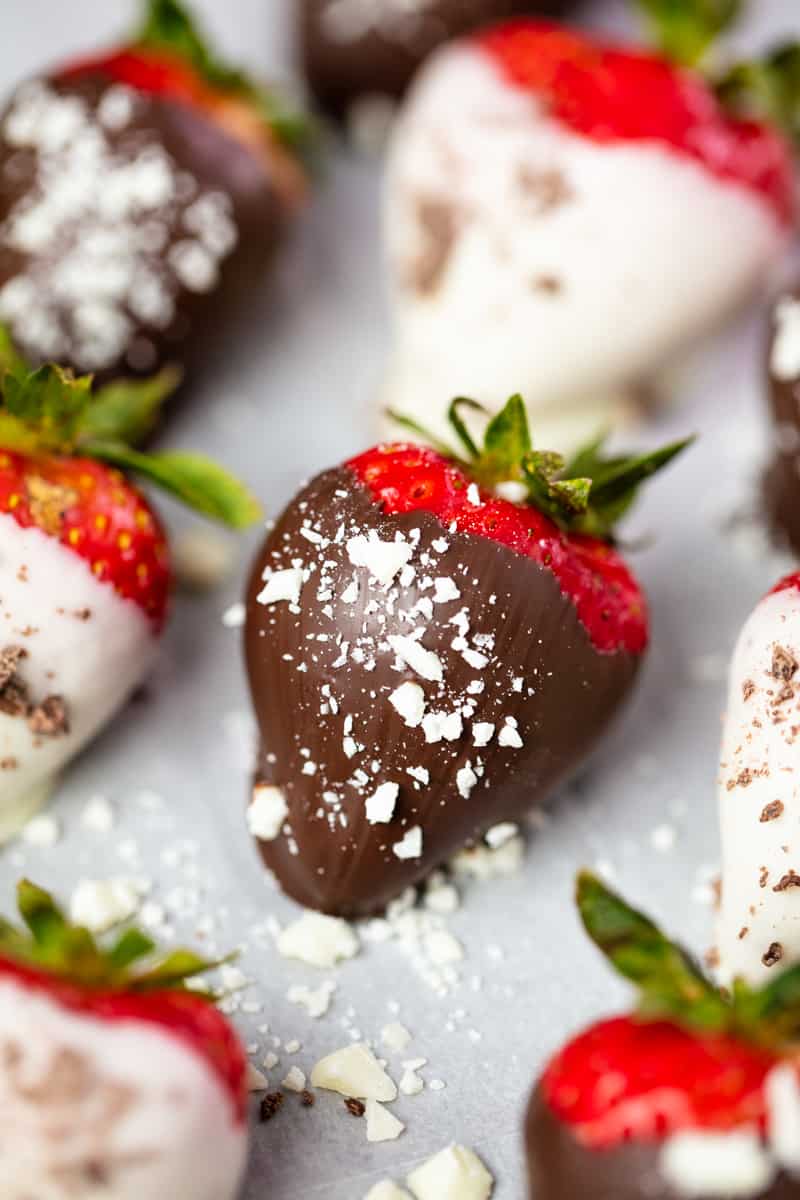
{"type": "Point", "coordinates": [561, 1168]}
{"type": "Point", "coordinates": [112, 1104]}
{"type": "Point", "coordinates": [782, 484]}
{"type": "Point", "coordinates": [134, 226]}
{"type": "Point", "coordinates": [351, 53]}
{"type": "Point", "coordinates": [413, 688]}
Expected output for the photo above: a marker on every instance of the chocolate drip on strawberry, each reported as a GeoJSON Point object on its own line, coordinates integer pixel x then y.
{"type": "Point", "coordinates": [367, 51]}
{"type": "Point", "coordinates": [142, 195]}
{"type": "Point", "coordinates": [446, 656]}
{"type": "Point", "coordinates": [695, 1094]}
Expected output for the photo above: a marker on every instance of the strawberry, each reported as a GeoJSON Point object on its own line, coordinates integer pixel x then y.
{"type": "Point", "coordinates": [565, 215]}
{"type": "Point", "coordinates": [84, 560]}
{"type": "Point", "coordinates": [182, 175]}
{"type": "Point", "coordinates": [757, 928]}
{"type": "Point", "coordinates": [448, 656]}
{"type": "Point", "coordinates": [693, 1095]}
{"type": "Point", "coordinates": [113, 1074]}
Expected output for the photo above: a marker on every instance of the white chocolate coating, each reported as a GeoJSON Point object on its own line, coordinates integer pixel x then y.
{"type": "Point", "coordinates": [525, 258]}
{"type": "Point", "coordinates": [93, 661]}
{"type": "Point", "coordinates": [759, 795]}
{"type": "Point", "coordinates": [109, 1110]}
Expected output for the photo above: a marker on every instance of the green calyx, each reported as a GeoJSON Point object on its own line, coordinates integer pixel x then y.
{"type": "Point", "coordinates": [51, 411]}
{"type": "Point", "coordinates": [49, 942]}
{"type": "Point", "coordinates": [588, 494]}
{"type": "Point", "coordinates": [765, 90]}
{"type": "Point", "coordinates": [169, 28]}
{"type": "Point", "coordinates": [673, 987]}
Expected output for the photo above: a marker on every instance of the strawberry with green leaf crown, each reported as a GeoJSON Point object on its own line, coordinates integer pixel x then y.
{"type": "Point", "coordinates": [695, 1094]}
{"type": "Point", "coordinates": [566, 216]}
{"type": "Point", "coordinates": [146, 189]}
{"type": "Point", "coordinates": [116, 1080]}
{"type": "Point", "coordinates": [450, 638]}
{"type": "Point", "coordinates": [84, 562]}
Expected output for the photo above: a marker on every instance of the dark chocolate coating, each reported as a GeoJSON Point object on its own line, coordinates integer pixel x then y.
{"type": "Point", "coordinates": [570, 694]}
{"type": "Point", "coordinates": [189, 318]}
{"type": "Point", "coordinates": [782, 483]}
{"type": "Point", "coordinates": [382, 60]}
{"type": "Point", "coordinates": [560, 1168]}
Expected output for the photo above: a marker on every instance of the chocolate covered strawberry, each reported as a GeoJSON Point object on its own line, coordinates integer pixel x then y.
{"type": "Point", "coordinates": [429, 658]}
{"type": "Point", "coordinates": [115, 1080]}
{"type": "Point", "coordinates": [695, 1094]}
{"type": "Point", "coordinates": [565, 215]}
{"type": "Point", "coordinates": [144, 191]}
{"type": "Point", "coordinates": [759, 926]}
{"type": "Point", "coordinates": [84, 564]}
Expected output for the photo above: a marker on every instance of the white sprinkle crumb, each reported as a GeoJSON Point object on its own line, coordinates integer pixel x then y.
{"type": "Point", "coordinates": [474, 658]}
{"type": "Point", "coordinates": [411, 1083]}
{"type": "Point", "coordinates": [409, 701]}
{"type": "Point", "coordinates": [442, 899]}
{"type": "Point", "coordinates": [381, 804]}
{"type": "Point", "coordinates": [234, 616]}
{"type": "Point", "coordinates": [437, 1085]}
{"type": "Point", "coordinates": [102, 904]}
{"type": "Point", "coordinates": [315, 1001]}
{"type": "Point", "coordinates": [395, 1037]}
{"type": "Point", "coordinates": [473, 495]}
{"type": "Point", "coordinates": [43, 831]}
{"type": "Point", "coordinates": [294, 1080]}
{"type": "Point", "coordinates": [293, 1047]}
{"type": "Point", "coordinates": [383, 560]}
{"type": "Point", "coordinates": [663, 838]}
{"type": "Point", "coordinates": [266, 812]}
{"type": "Point", "coordinates": [421, 774]}
{"type": "Point", "coordinates": [318, 940]}
{"type": "Point", "coordinates": [445, 590]}
{"type": "Point", "coordinates": [410, 846]}
{"type": "Point", "coordinates": [442, 947]}
{"type": "Point", "coordinates": [466, 779]}
{"type": "Point", "coordinates": [255, 1081]}
{"type": "Point", "coordinates": [509, 735]}
{"type": "Point", "coordinates": [424, 662]}
{"type": "Point", "coordinates": [98, 815]}
{"type": "Point", "coordinates": [482, 733]}
{"type": "Point", "coordinates": [498, 835]}
{"type": "Point", "coordinates": [281, 585]}
{"type": "Point", "coordinates": [439, 725]}
{"type": "Point", "coordinates": [354, 1071]}
{"type": "Point", "coordinates": [382, 1125]}
{"type": "Point", "coordinates": [455, 1171]}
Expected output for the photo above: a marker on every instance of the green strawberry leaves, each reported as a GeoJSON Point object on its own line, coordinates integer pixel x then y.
{"type": "Point", "coordinates": [767, 89]}
{"type": "Point", "coordinates": [129, 963]}
{"type": "Point", "coordinates": [51, 411]}
{"type": "Point", "coordinates": [684, 30]}
{"type": "Point", "coordinates": [673, 987]}
{"type": "Point", "coordinates": [590, 494]}
{"type": "Point", "coordinates": [168, 27]}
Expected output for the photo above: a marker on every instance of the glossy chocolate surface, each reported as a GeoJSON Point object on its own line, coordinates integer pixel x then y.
{"type": "Point", "coordinates": [560, 1168]}
{"type": "Point", "coordinates": [782, 484]}
{"type": "Point", "coordinates": [513, 655]}
{"type": "Point", "coordinates": [354, 48]}
{"type": "Point", "coordinates": [132, 228]}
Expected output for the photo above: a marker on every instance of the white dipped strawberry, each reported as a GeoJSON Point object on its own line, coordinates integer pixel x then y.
{"type": "Point", "coordinates": [84, 564]}
{"type": "Point", "coordinates": [116, 1082]}
{"type": "Point", "coordinates": [564, 217]}
{"type": "Point", "coordinates": [759, 792]}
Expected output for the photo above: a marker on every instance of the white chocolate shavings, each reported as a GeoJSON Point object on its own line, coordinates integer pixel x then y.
{"type": "Point", "coordinates": [316, 1001]}
{"type": "Point", "coordinates": [482, 733]}
{"type": "Point", "coordinates": [354, 1071]}
{"type": "Point", "coordinates": [101, 904]}
{"type": "Point", "coordinates": [438, 726]}
{"type": "Point", "coordinates": [395, 1037]}
{"type": "Point", "coordinates": [43, 830]}
{"type": "Point", "coordinates": [266, 812]}
{"type": "Point", "coordinates": [98, 815]}
{"type": "Point", "coordinates": [509, 734]}
{"type": "Point", "coordinates": [700, 1163]}
{"type": "Point", "coordinates": [318, 940]}
{"type": "Point", "coordinates": [410, 845]}
{"type": "Point", "coordinates": [386, 1190]}
{"type": "Point", "coordinates": [234, 616]}
{"type": "Point", "coordinates": [411, 1082]}
{"type": "Point", "coordinates": [383, 560]}
{"type": "Point", "coordinates": [255, 1080]}
{"type": "Point", "coordinates": [455, 1173]}
{"type": "Point", "coordinates": [500, 834]}
{"type": "Point", "coordinates": [382, 1125]}
{"type": "Point", "coordinates": [445, 590]}
{"type": "Point", "coordinates": [294, 1080]}
{"type": "Point", "coordinates": [785, 356]}
{"type": "Point", "coordinates": [281, 585]}
{"type": "Point", "coordinates": [95, 222]}
{"type": "Point", "coordinates": [442, 947]}
{"type": "Point", "coordinates": [381, 804]}
{"type": "Point", "coordinates": [423, 662]}
{"type": "Point", "coordinates": [409, 701]}
{"type": "Point", "coordinates": [482, 862]}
